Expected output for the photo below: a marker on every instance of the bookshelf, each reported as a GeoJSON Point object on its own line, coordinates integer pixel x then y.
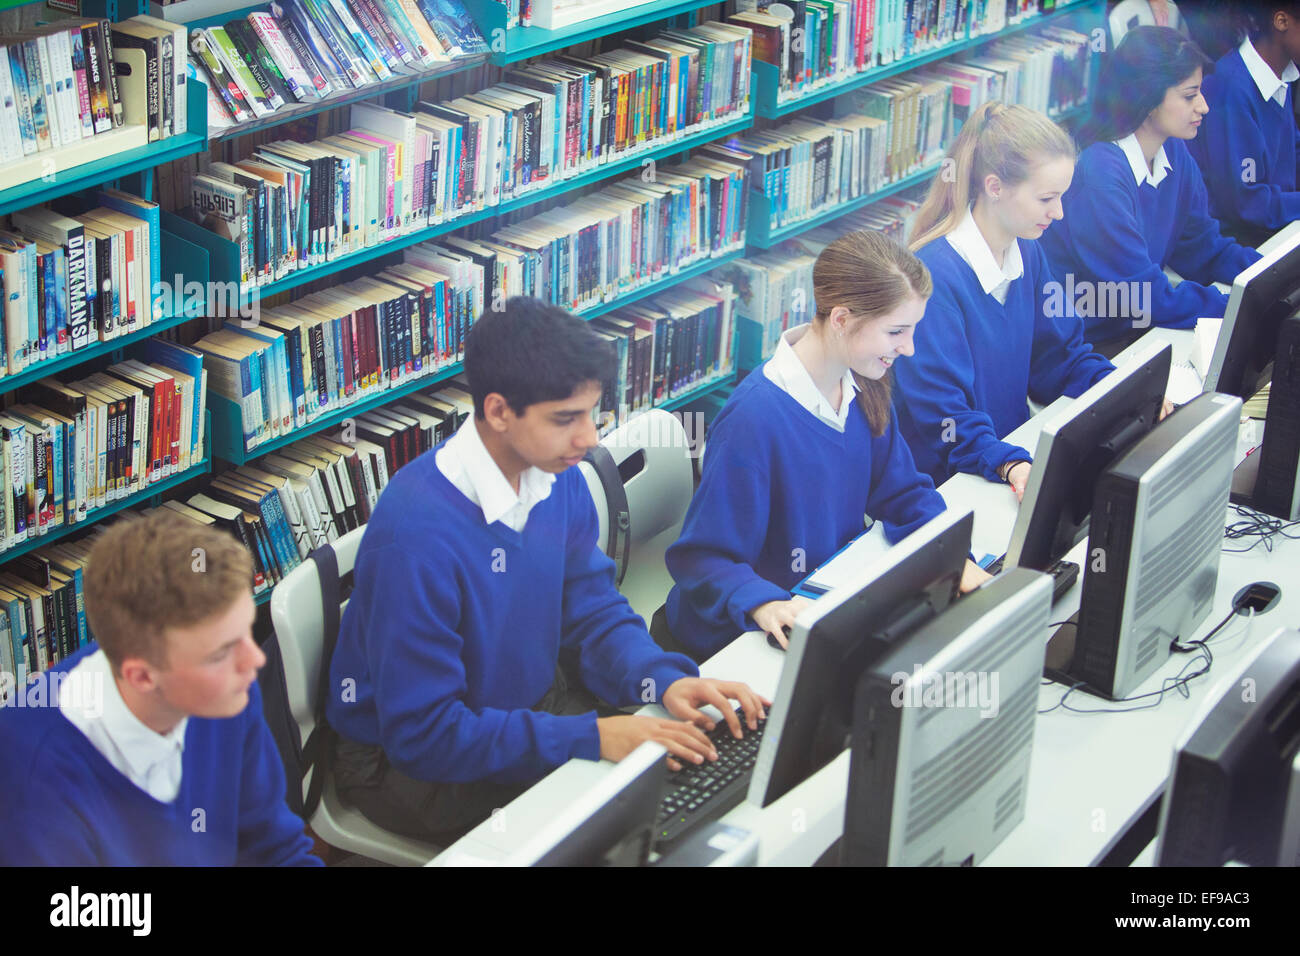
{"type": "Point", "coordinates": [63, 182]}
{"type": "Point", "coordinates": [151, 495]}
{"type": "Point", "coordinates": [226, 258]}
{"type": "Point", "coordinates": [511, 44]}
{"type": "Point", "coordinates": [769, 104]}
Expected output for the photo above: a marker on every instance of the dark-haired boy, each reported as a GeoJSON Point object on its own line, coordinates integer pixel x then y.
{"type": "Point", "coordinates": [477, 567]}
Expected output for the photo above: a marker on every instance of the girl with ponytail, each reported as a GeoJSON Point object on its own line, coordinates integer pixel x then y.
{"type": "Point", "coordinates": [988, 340]}
{"type": "Point", "coordinates": [806, 446]}
{"type": "Point", "coordinates": [1138, 202]}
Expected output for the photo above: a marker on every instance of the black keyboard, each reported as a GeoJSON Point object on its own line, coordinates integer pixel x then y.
{"type": "Point", "coordinates": [699, 793]}
{"type": "Point", "coordinates": [1064, 574]}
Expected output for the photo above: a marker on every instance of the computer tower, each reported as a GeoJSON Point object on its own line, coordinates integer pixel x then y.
{"type": "Point", "coordinates": [1153, 550]}
{"type": "Point", "coordinates": [941, 782]}
{"type": "Point", "coordinates": [1276, 490]}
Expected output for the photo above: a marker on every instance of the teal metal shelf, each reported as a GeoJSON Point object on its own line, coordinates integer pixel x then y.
{"type": "Point", "coordinates": [762, 236]}
{"type": "Point", "coordinates": [767, 76]}
{"type": "Point", "coordinates": [224, 251]}
{"type": "Point", "coordinates": [659, 285]}
{"type": "Point", "coordinates": [228, 429]}
{"type": "Point", "coordinates": [140, 497]}
{"type": "Point", "coordinates": [297, 111]}
{"type": "Point", "coordinates": [99, 171]}
{"type": "Point", "coordinates": [510, 44]}
{"type": "Point", "coordinates": [699, 391]}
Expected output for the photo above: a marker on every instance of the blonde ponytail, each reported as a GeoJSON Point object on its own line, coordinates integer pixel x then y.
{"type": "Point", "coordinates": [1006, 141]}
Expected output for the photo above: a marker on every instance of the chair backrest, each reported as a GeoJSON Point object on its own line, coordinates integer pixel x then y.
{"type": "Point", "coordinates": [299, 622]}
{"type": "Point", "coordinates": [654, 461]}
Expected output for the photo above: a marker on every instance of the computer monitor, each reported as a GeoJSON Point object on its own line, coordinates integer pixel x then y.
{"type": "Point", "coordinates": [1152, 558]}
{"type": "Point", "coordinates": [839, 635]}
{"type": "Point", "coordinates": [1076, 445]}
{"type": "Point", "coordinates": [1234, 791]}
{"type": "Point", "coordinates": [1262, 295]}
{"type": "Point", "coordinates": [610, 825]}
{"type": "Point", "coordinates": [943, 729]}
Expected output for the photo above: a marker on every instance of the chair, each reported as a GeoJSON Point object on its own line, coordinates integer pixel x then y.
{"type": "Point", "coordinates": [654, 462]}
{"type": "Point", "coordinates": [299, 622]}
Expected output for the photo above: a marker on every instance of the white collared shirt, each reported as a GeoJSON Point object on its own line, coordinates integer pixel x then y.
{"type": "Point", "coordinates": [1270, 86]}
{"type": "Point", "coordinates": [150, 760]}
{"type": "Point", "coordinates": [787, 372]}
{"type": "Point", "coordinates": [1138, 163]}
{"type": "Point", "coordinates": [969, 243]}
{"type": "Point", "coordinates": [465, 462]}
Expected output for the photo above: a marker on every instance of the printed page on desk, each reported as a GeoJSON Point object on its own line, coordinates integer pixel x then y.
{"type": "Point", "coordinates": [842, 568]}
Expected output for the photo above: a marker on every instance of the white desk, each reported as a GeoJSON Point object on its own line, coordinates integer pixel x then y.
{"type": "Point", "coordinates": [1091, 776]}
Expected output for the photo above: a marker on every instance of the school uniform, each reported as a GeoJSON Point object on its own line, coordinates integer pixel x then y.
{"type": "Point", "coordinates": [1125, 223]}
{"type": "Point", "coordinates": [1249, 142]}
{"type": "Point", "coordinates": [86, 783]}
{"type": "Point", "coordinates": [465, 594]}
{"type": "Point", "coordinates": [986, 342]}
{"type": "Point", "coordinates": [787, 482]}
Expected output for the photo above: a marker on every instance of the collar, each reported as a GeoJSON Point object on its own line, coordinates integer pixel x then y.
{"type": "Point", "coordinates": [1270, 86]}
{"type": "Point", "coordinates": [1132, 150]}
{"type": "Point", "coordinates": [970, 244]}
{"type": "Point", "coordinates": [89, 697]}
{"type": "Point", "coordinates": [492, 492]}
{"type": "Point", "coordinates": [787, 371]}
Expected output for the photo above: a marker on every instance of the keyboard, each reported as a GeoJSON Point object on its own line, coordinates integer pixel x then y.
{"type": "Point", "coordinates": [1064, 574]}
{"type": "Point", "coordinates": [700, 793]}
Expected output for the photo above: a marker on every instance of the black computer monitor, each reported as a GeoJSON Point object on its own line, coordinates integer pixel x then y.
{"type": "Point", "coordinates": [1076, 446]}
{"type": "Point", "coordinates": [1152, 559]}
{"type": "Point", "coordinates": [1234, 792]}
{"type": "Point", "coordinates": [609, 825]}
{"type": "Point", "coordinates": [835, 639]}
{"type": "Point", "coordinates": [943, 730]}
{"type": "Point", "coordinates": [1262, 296]}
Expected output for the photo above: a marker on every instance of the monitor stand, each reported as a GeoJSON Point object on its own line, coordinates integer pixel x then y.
{"type": "Point", "coordinates": [1059, 662]}
{"type": "Point", "coordinates": [1244, 477]}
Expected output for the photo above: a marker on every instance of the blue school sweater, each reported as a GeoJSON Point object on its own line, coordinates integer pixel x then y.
{"type": "Point", "coordinates": [977, 359]}
{"type": "Point", "coordinates": [1240, 126]}
{"type": "Point", "coordinates": [455, 627]}
{"type": "Point", "coordinates": [1117, 231]}
{"type": "Point", "coordinates": [64, 804]}
{"type": "Point", "coordinates": [781, 492]}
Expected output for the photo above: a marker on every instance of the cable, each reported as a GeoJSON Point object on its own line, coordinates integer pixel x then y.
{"type": "Point", "coordinates": [1261, 527]}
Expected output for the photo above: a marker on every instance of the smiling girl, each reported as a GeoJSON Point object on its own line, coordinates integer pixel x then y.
{"type": "Point", "coordinates": [804, 449]}
{"type": "Point", "coordinates": [987, 342]}
{"type": "Point", "coordinates": [1138, 202]}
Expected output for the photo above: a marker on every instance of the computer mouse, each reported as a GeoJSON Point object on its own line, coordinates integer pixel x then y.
{"type": "Point", "coordinates": [771, 639]}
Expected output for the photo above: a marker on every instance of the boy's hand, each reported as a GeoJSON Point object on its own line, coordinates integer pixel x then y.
{"type": "Point", "coordinates": [1018, 478]}
{"type": "Point", "coordinates": [775, 615]}
{"type": "Point", "coordinates": [619, 736]}
{"type": "Point", "coordinates": [684, 697]}
{"type": "Point", "coordinates": [972, 576]}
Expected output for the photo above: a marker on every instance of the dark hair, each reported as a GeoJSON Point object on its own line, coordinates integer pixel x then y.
{"type": "Point", "coordinates": [532, 352]}
{"type": "Point", "coordinates": [1135, 78]}
{"type": "Point", "coordinates": [1252, 18]}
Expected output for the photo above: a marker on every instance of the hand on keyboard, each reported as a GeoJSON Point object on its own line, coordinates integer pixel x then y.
{"type": "Point", "coordinates": [619, 736]}
{"type": "Point", "coordinates": [684, 697]}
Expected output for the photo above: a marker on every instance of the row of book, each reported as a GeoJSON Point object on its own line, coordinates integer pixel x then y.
{"type": "Point", "coordinates": [812, 42]}
{"type": "Point", "coordinates": [629, 233]}
{"type": "Point", "coordinates": [42, 613]}
{"type": "Point", "coordinates": [70, 281]}
{"type": "Point", "coordinates": [292, 205]}
{"type": "Point", "coordinates": [668, 345]}
{"type": "Point", "coordinates": [774, 289]}
{"type": "Point", "coordinates": [70, 81]}
{"type": "Point", "coordinates": [70, 448]}
{"type": "Point", "coordinates": [1046, 71]}
{"type": "Point", "coordinates": [305, 50]}
{"type": "Point", "coordinates": [338, 346]}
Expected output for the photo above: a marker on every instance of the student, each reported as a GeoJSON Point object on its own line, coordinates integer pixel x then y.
{"type": "Point", "coordinates": [1138, 203]}
{"type": "Point", "coordinates": [1127, 14]}
{"type": "Point", "coordinates": [1249, 142]}
{"type": "Point", "coordinates": [148, 748]}
{"type": "Point", "coordinates": [804, 448]}
{"type": "Point", "coordinates": [990, 336]}
{"type": "Point", "coordinates": [477, 572]}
